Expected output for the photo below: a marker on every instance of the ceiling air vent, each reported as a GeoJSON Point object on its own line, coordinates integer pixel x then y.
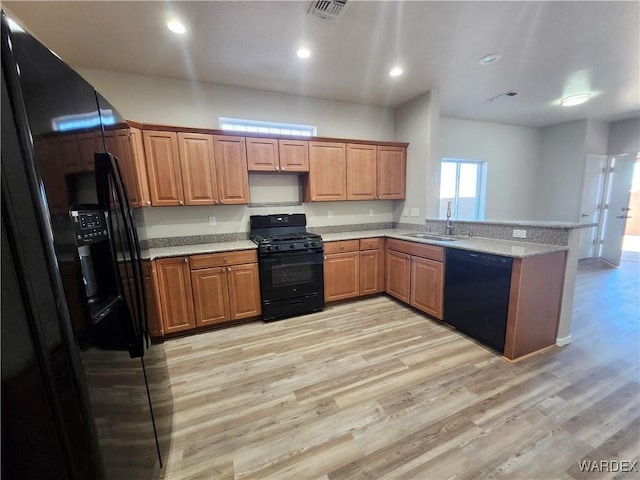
{"type": "Point", "coordinates": [328, 9]}
{"type": "Point", "coordinates": [502, 96]}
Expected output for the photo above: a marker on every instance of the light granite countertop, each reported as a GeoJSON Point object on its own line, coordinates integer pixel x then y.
{"type": "Point", "coordinates": [181, 250]}
{"type": "Point", "coordinates": [507, 248]}
{"type": "Point", "coordinates": [524, 223]}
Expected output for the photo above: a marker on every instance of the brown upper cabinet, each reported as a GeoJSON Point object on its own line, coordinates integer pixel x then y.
{"type": "Point", "coordinates": [355, 171]}
{"type": "Point", "coordinates": [294, 155]}
{"type": "Point", "coordinates": [163, 168]}
{"type": "Point", "coordinates": [327, 179]}
{"type": "Point", "coordinates": [231, 169]}
{"type": "Point", "coordinates": [126, 145]}
{"type": "Point", "coordinates": [195, 168]}
{"type": "Point", "coordinates": [198, 169]}
{"type": "Point", "coordinates": [362, 172]}
{"type": "Point", "coordinates": [277, 155]}
{"type": "Point", "coordinates": [375, 172]}
{"type": "Point", "coordinates": [392, 172]}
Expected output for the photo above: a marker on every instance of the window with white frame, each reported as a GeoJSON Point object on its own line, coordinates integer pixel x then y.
{"type": "Point", "coordinates": [462, 182]}
{"type": "Point", "coordinates": [272, 128]}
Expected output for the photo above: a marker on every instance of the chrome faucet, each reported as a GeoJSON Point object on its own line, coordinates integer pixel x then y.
{"type": "Point", "coordinates": [449, 224]}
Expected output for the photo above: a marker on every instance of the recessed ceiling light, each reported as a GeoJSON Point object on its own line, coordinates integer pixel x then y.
{"type": "Point", "coordinates": [176, 26]}
{"type": "Point", "coordinates": [303, 53]}
{"type": "Point", "coordinates": [489, 59]}
{"type": "Point", "coordinates": [575, 99]}
{"type": "Point", "coordinates": [395, 71]}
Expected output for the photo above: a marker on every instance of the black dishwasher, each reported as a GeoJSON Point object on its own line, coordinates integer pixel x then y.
{"type": "Point", "coordinates": [476, 295]}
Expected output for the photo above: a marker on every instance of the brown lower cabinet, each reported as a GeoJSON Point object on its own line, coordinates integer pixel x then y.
{"type": "Point", "coordinates": [207, 289]}
{"type": "Point", "coordinates": [415, 275]}
{"type": "Point", "coordinates": [175, 298]}
{"type": "Point", "coordinates": [353, 268]}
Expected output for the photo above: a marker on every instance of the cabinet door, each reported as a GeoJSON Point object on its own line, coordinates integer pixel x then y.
{"type": "Point", "coordinates": [163, 168]}
{"type": "Point", "coordinates": [119, 145]}
{"type": "Point", "coordinates": [175, 295]}
{"type": "Point", "coordinates": [341, 276]}
{"type": "Point", "coordinates": [294, 155]}
{"type": "Point", "coordinates": [263, 154]}
{"type": "Point", "coordinates": [231, 169]}
{"type": "Point", "coordinates": [210, 295]}
{"type": "Point", "coordinates": [327, 172]}
{"type": "Point", "coordinates": [197, 169]}
{"type": "Point", "coordinates": [391, 172]}
{"type": "Point", "coordinates": [427, 282]}
{"type": "Point", "coordinates": [398, 275]}
{"type": "Point", "coordinates": [361, 172]}
{"type": "Point", "coordinates": [371, 272]}
{"type": "Point", "coordinates": [142, 183]}
{"type": "Point", "coordinates": [89, 145]}
{"type": "Point", "coordinates": [244, 291]}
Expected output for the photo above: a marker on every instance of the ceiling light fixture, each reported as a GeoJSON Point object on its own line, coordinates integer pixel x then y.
{"type": "Point", "coordinates": [575, 99]}
{"type": "Point", "coordinates": [176, 26]}
{"type": "Point", "coordinates": [489, 59]}
{"type": "Point", "coordinates": [395, 71]}
{"type": "Point", "coordinates": [303, 53]}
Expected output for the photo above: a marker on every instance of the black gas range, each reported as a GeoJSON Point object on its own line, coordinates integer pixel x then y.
{"type": "Point", "coordinates": [291, 265]}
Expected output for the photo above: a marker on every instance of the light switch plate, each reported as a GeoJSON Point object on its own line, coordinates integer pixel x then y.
{"type": "Point", "coordinates": [330, 214]}
{"type": "Point", "coordinates": [519, 233]}
{"type": "Point", "coordinates": [405, 212]}
{"type": "Point", "coordinates": [371, 212]}
{"type": "Point", "coordinates": [212, 220]}
{"type": "Point", "coordinates": [415, 212]}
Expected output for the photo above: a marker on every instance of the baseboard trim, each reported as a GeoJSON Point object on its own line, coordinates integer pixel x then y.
{"type": "Point", "coordinates": [561, 342]}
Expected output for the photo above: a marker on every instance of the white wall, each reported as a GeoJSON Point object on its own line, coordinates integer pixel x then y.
{"type": "Point", "coordinates": [417, 122]}
{"type": "Point", "coordinates": [512, 156]}
{"type": "Point", "coordinates": [192, 104]}
{"type": "Point", "coordinates": [562, 159]}
{"type": "Point", "coordinates": [624, 136]}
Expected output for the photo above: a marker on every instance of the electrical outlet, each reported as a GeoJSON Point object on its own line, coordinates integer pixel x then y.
{"type": "Point", "coordinates": [405, 212]}
{"type": "Point", "coordinates": [212, 220]}
{"type": "Point", "coordinates": [371, 212]}
{"type": "Point", "coordinates": [330, 214]}
{"type": "Point", "coordinates": [415, 212]}
{"type": "Point", "coordinates": [519, 233]}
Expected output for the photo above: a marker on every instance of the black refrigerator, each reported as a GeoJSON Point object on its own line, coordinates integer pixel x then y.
{"type": "Point", "coordinates": [85, 395]}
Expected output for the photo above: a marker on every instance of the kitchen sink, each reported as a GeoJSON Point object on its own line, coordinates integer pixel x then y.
{"type": "Point", "coordinates": [429, 236]}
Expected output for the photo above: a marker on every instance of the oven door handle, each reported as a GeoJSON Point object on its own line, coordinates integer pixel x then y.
{"type": "Point", "coordinates": [285, 254]}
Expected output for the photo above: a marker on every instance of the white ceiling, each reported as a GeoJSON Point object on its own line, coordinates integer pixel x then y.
{"type": "Point", "coordinates": [549, 50]}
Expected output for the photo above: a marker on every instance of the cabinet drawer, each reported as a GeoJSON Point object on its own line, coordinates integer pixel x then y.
{"type": "Point", "coordinates": [417, 249]}
{"type": "Point", "coordinates": [341, 247]}
{"type": "Point", "coordinates": [223, 259]}
{"type": "Point", "coordinates": [370, 243]}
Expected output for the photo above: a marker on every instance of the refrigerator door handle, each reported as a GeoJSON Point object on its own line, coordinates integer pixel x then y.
{"type": "Point", "coordinates": [136, 261]}
{"type": "Point", "coordinates": [109, 187]}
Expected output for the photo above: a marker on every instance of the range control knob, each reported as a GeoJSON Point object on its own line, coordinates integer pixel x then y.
{"type": "Point", "coordinates": [267, 248]}
{"type": "Point", "coordinates": [292, 246]}
{"type": "Point", "coordinates": [277, 247]}
{"type": "Point", "coordinates": [307, 245]}
{"type": "Point", "coordinates": [313, 244]}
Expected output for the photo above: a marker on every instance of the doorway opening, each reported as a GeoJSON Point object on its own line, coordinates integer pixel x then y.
{"type": "Point", "coordinates": [619, 211]}
{"type": "Point", "coordinates": [631, 239]}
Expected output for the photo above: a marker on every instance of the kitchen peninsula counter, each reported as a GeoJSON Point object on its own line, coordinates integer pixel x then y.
{"type": "Point", "coordinates": [507, 248]}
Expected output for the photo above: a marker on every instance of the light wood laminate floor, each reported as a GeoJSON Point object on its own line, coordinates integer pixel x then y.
{"type": "Point", "coordinates": [373, 389]}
